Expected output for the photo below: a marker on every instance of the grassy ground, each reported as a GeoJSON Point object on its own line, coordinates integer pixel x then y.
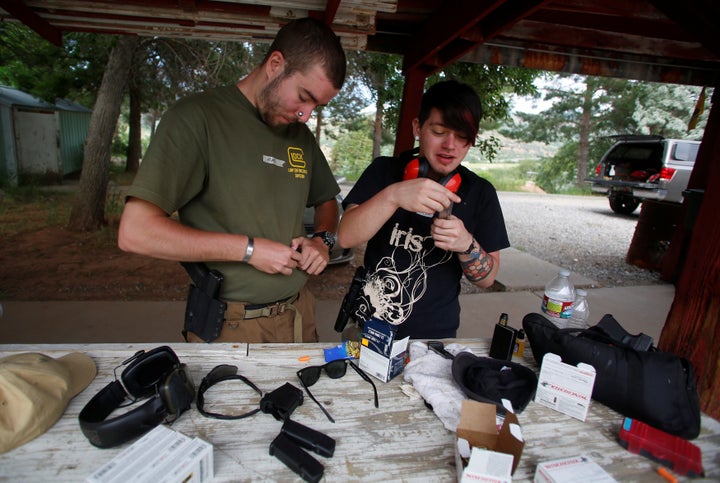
{"type": "Point", "coordinates": [32, 207]}
{"type": "Point", "coordinates": [25, 209]}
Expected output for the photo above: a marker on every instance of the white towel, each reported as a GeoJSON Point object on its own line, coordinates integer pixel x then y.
{"type": "Point", "coordinates": [431, 376]}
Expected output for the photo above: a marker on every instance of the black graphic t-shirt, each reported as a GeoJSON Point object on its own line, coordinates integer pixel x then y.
{"type": "Point", "coordinates": [410, 282]}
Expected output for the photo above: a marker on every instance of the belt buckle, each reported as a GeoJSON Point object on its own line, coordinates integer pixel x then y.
{"type": "Point", "coordinates": [276, 308]}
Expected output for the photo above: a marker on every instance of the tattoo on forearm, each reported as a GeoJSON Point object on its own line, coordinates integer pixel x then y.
{"type": "Point", "coordinates": [479, 266]}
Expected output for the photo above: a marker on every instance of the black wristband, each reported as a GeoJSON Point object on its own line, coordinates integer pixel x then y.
{"type": "Point", "coordinates": [223, 372]}
{"type": "Point", "coordinates": [470, 249]}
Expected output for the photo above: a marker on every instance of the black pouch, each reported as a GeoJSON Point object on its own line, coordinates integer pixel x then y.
{"type": "Point", "coordinates": [296, 458]}
{"type": "Point", "coordinates": [309, 438]}
{"type": "Point", "coordinates": [282, 401]}
{"type": "Point", "coordinates": [204, 315]}
{"type": "Point", "coordinates": [655, 387]}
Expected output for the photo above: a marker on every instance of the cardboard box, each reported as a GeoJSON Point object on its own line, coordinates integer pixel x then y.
{"type": "Point", "coordinates": [565, 388]}
{"type": "Point", "coordinates": [380, 354]}
{"type": "Point", "coordinates": [490, 447]}
{"type": "Point", "coordinates": [570, 470]}
{"type": "Point", "coordinates": [160, 456]}
{"type": "Point", "coordinates": [488, 466]}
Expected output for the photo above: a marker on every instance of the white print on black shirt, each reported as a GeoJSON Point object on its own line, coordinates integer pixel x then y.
{"type": "Point", "coordinates": [270, 160]}
{"type": "Point", "coordinates": [406, 239]}
{"type": "Point", "coordinates": [390, 291]}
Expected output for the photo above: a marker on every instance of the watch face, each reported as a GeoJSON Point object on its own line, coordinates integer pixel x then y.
{"type": "Point", "coordinates": [332, 239]}
{"type": "Point", "coordinates": [328, 238]}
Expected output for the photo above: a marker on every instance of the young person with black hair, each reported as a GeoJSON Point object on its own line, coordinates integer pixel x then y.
{"type": "Point", "coordinates": [427, 221]}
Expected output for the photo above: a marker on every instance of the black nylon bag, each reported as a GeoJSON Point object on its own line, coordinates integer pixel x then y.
{"type": "Point", "coordinates": [657, 388]}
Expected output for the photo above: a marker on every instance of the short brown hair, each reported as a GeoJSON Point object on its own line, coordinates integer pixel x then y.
{"type": "Point", "coordinates": [304, 42]}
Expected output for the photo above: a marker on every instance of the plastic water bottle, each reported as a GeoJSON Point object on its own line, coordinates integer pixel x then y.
{"type": "Point", "coordinates": [581, 311]}
{"type": "Point", "coordinates": [557, 303]}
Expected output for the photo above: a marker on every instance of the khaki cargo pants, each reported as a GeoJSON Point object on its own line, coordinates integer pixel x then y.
{"type": "Point", "coordinates": [290, 321]}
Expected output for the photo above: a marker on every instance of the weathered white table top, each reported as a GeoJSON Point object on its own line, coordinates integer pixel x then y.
{"type": "Point", "coordinates": [400, 441]}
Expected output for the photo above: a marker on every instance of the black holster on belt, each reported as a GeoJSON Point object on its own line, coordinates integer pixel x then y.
{"type": "Point", "coordinates": [204, 312]}
{"type": "Point", "coordinates": [347, 308]}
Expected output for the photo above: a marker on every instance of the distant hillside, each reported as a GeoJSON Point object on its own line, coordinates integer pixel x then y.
{"type": "Point", "coordinates": [513, 151]}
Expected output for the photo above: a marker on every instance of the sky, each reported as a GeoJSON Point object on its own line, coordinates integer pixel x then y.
{"type": "Point", "coordinates": [529, 105]}
{"type": "Point", "coordinates": [533, 106]}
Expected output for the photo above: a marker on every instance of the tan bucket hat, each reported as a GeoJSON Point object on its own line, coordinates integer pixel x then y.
{"type": "Point", "coordinates": [35, 390]}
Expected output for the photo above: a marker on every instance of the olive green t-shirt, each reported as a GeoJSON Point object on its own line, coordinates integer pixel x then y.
{"type": "Point", "coordinates": [215, 162]}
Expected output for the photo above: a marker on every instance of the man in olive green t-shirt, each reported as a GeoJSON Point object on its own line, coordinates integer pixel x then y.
{"type": "Point", "coordinates": [239, 166]}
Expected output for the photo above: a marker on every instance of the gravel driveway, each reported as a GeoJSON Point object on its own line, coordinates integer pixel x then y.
{"type": "Point", "coordinates": [579, 233]}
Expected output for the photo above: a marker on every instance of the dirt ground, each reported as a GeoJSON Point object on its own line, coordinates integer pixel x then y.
{"type": "Point", "coordinates": [41, 259]}
{"type": "Point", "coordinates": [54, 263]}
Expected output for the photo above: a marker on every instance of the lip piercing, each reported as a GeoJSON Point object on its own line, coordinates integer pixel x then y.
{"type": "Point", "coordinates": [300, 114]}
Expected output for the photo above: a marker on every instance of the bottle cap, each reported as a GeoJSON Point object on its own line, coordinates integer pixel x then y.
{"type": "Point", "coordinates": [503, 319]}
{"type": "Point", "coordinates": [581, 292]}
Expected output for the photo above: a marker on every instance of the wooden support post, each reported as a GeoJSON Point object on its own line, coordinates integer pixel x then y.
{"type": "Point", "coordinates": [692, 329]}
{"type": "Point", "coordinates": [409, 109]}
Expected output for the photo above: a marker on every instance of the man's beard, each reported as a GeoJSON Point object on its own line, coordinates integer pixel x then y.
{"type": "Point", "coordinates": [268, 105]}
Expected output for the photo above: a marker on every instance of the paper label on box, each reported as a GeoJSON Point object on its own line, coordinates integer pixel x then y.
{"type": "Point", "coordinates": [576, 468]}
{"type": "Point", "coordinates": [489, 466]}
{"type": "Point", "coordinates": [565, 388]}
{"type": "Point", "coordinates": [399, 347]}
{"type": "Point", "coordinates": [378, 336]}
{"type": "Point", "coordinates": [135, 462]}
{"type": "Point", "coordinates": [160, 456]}
{"type": "Point", "coordinates": [193, 464]}
{"type": "Point", "coordinates": [374, 363]}
{"type": "Point", "coordinates": [380, 354]}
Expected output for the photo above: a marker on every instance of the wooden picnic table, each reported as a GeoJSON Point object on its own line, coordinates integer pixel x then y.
{"type": "Point", "coordinates": [402, 440]}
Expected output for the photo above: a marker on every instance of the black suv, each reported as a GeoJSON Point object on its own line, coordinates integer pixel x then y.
{"type": "Point", "coordinates": [644, 167]}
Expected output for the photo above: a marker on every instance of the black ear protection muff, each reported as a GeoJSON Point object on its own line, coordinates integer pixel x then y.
{"type": "Point", "coordinates": [420, 168]}
{"type": "Point", "coordinates": [157, 375]}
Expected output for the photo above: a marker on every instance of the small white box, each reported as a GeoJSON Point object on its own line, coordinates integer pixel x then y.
{"type": "Point", "coordinates": [488, 466]}
{"type": "Point", "coordinates": [565, 388]}
{"type": "Point", "coordinates": [500, 447]}
{"type": "Point", "coordinates": [380, 354]}
{"type": "Point", "coordinates": [571, 470]}
{"type": "Point", "coordinates": [193, 464]}
{"type": "Point", "coordinates": [162, 455]}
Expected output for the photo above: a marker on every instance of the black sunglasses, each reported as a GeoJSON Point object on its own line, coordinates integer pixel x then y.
{"type": "Point", "coordinates": [335, 370]}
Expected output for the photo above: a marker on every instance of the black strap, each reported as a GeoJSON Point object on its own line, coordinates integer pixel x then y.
{"type": "Point", "coordinates": [106, 433]}
{"type": "Point", "coordinates": [216, 376]}
{"type": "Point", "coordinates": [156, 374]}
{"type": "Point", "coordinates": [612, 328]}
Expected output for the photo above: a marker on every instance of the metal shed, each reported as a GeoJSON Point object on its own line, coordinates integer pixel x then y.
{"type": "Point", "coordinates": [39, 141]}
{"type": "Point", "coordinates": [73, 120]}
